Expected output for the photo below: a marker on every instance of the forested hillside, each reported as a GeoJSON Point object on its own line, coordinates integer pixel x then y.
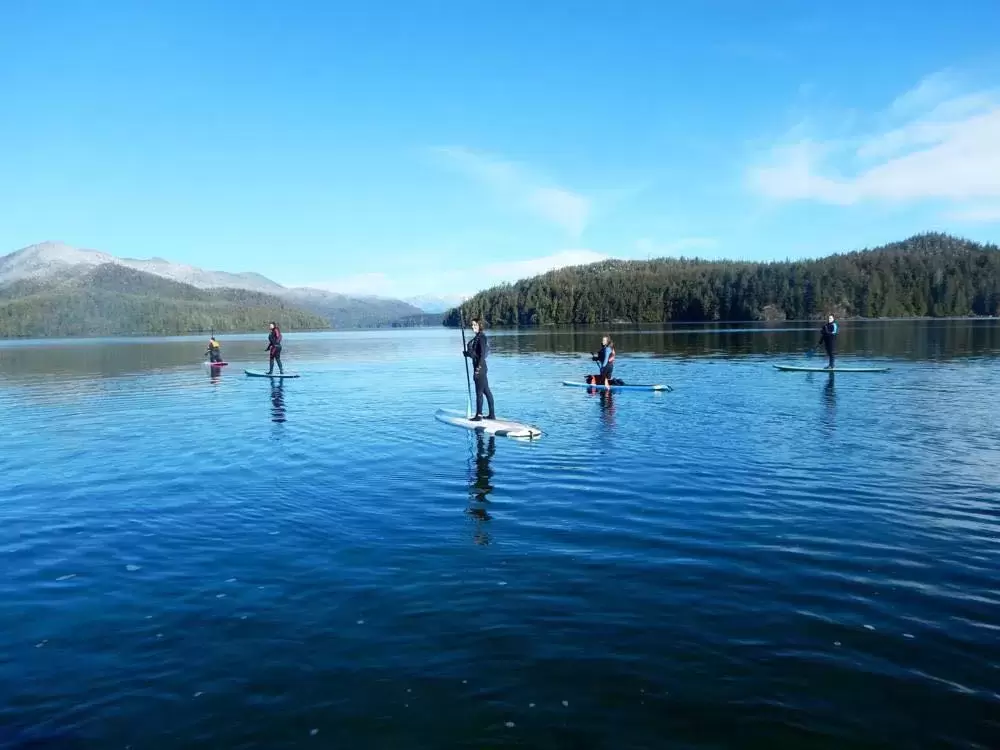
{"type": "Point", "coordinates": [116, 300]}
{"type": "Point", "coordinates": [926, 275]}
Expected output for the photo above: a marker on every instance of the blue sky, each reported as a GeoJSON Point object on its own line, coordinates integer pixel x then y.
{"type": "Point", "coordinates": [408, 148]}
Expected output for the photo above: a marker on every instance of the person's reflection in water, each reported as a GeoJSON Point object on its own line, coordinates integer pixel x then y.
{"type": "Point", "coordinates": [830, 402]}
{"type": "Point", "coordinates": [480, 486]}
{"type": "Point", "coordinates": [278, 401]}
{"type": "Point", "coordinates": [608, 408]}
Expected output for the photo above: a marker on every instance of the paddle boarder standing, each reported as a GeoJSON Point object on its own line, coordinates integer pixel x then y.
{"type": "Point", "coordinates": [214, 351]}
{"type": "Point", "coordinates": [828, 337]}
{"type": "Point", "coordinates": [274, 348]}
{"type": "Point", "coordinates": [606, 359]}
{"type": "Point", "coordinates": [477, 350]}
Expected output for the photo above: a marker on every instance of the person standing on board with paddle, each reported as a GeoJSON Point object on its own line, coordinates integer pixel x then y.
{"type": "Point", "coordinates": [274, 348]}
{"type": "Point", "coordinates": [477, 350]}
{"type": "Point", "coordinates": [606, 359]}
{"type": "Point", "coordinates": [214, 350]}
{"type": "Point", "coordinates": [828, 337]}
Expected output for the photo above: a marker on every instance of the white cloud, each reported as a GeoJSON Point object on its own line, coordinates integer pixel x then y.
{"type": "Point", "coordinates": [942, 146]}
{"type": "Point", "coordinates": [519, 269]}
{"type": "Point", "coordinates": [453, 284]}
{"type": "Point", "coordinates": [519, 187]}
{"type": "Point", "coordinates": [931, 90]}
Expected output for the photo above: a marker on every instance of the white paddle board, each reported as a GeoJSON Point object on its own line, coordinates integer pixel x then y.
{"type": "Point", "coordinates": [499, 427]}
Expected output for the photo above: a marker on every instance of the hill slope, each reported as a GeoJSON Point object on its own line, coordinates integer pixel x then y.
{"type": "Point", "coordinates": [111, 299]}
{"type": "Point", "coordinates": [926, 275]}
{"type": "Point", "coordinates": [49, 261]}
{"type": "Point", "coordinates": [349, 312]}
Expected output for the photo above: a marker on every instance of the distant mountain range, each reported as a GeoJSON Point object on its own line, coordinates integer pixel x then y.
{"type": "Point", "coordinates": [53, 289]}
{"type": "Point", "coordinates": [433, 305]}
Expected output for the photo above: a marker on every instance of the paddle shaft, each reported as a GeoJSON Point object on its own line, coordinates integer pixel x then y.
{"type": "Point", "coordinates": [468, 380]}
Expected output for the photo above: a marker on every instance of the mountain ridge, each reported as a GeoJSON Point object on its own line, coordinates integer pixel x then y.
{"type": "Point", "coordinates": [111, 300]}
{"type": "Point", "coordinates": [51, 260]}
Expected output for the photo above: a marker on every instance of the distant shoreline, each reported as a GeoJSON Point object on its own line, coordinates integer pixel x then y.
{"type": "Point", "coordinates": [763, 324]}
{"type": "Point", "coordinates": [630, 324]}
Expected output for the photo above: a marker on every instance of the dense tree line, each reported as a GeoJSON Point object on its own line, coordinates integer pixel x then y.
{"type": "Point", "coordinates": [932, 275]}
{"type": "Point", "coordinates": [114, 300]}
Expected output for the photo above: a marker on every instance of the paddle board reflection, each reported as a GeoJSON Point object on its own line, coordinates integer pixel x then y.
{"type": "Point", "coordinates": [278, 401]}
{"type": "Point", "coordinates": [480, 486]}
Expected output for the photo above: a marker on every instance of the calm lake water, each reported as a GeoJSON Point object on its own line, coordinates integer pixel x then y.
{"type": "Point", "coordinates": [755, 560]}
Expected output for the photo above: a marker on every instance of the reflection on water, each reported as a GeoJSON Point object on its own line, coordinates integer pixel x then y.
{"type": "Point", "coordinates": [910, 339]}
{"type": "Point", "coordinates": [213, 374]}
{"type": "Point", "coordinates": [608, 409]}
{"type": "Point", "coordinates": [723, 569]}
{"type": "Point", "coordinates": [830, 403]}
{"type": "Point", "coordinates": [481, 485]}
{"type": "Point", "coordinates": [278, 400]}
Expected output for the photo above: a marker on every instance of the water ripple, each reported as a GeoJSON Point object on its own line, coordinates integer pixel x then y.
{"type": "Point", "coordinates": [784, 560]}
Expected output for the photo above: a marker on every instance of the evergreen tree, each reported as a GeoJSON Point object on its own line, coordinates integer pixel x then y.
{"type": "Point", "coordinates": [929, 274]}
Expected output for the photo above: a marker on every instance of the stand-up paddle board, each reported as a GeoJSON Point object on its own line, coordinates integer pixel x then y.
{"type": "Point", "coordinates": [216, 364]}
{"type": "Point", "coordinates": [626, 387]}
{"type": "Point", "coordinates": [499, 427]}
{"type": "Point", "coordinates": [259, 374]}
{"type": "Point", "coordinates": [793, 368]}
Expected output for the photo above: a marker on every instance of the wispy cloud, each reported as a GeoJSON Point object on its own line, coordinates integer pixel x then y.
{"type": "Point", "coordinates": [454, 284]}
{"type": "Point", "coordinates": [937, 143]}
{"type": "Point", "coordinates": [520, 187]}
{"type": "Point", "coordinates": [978, 214]}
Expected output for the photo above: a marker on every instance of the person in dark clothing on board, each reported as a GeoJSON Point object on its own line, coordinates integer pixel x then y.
{"type": "Point", "coordinates": [828, 337]}
{"type": "Point", "coordinates": [605, 358]}
{"type": "Point", "coordinates": [274, 348]}
{"type": "Point", "coordinates": [477, 350]}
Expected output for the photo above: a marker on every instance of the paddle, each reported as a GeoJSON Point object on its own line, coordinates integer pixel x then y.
{"type": "Point", "coordinates": [468, 380]}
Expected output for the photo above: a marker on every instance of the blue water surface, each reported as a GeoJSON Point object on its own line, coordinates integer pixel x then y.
{"type": "Point", "coordinates": [757, 559]}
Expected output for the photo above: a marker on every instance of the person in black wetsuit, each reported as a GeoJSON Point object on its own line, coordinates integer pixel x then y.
{"type": "Point", "coordinates": [274, 348]}
{"type": "Point", "coordinates": [477, 350]}
{"type": "Point", "coordinates": [828, 337]}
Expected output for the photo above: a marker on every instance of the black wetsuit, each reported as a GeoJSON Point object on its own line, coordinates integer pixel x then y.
{"type": "Point", "coordinates": [477, 350]}
{"type": "Point", "coordinates": [828, 336]}
{"type": "Point", "coordinates": [274, 349]}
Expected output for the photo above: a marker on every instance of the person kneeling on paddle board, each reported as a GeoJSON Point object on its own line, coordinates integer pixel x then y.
{"type": "Point", "coordinates": [274, 348]}
{"type": "Point", "coordinates": [828, 337]}
{"type": "Point", "coordinates": [477, 350]}
{"type": "Point", "coordinates": [606, 359]}
{"type": "Point", "coordinates": [214, 350]}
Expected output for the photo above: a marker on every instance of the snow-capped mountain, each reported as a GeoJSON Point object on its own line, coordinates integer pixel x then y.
{"type": "Point", "coordinates": [54, 258]}
{"type": "Point", "coordinates": [55, 262]}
